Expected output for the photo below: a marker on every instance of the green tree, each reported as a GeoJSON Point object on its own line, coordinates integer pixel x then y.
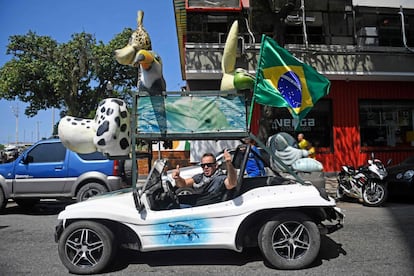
{"type": "Point", "coordinates": [69, 76]}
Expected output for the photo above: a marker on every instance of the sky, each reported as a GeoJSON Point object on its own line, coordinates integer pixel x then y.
{"type": "Point", "coordinates": [59, 20]}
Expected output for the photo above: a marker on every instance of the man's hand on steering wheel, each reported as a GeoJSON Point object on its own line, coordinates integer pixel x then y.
{"type": "Point", "coordinates": [171, 192]}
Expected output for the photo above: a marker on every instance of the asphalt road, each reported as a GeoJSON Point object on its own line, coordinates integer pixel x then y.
{"type": "Point", "coordinates": [374, 241]}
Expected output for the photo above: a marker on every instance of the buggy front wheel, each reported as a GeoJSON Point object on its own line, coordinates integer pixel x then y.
{"type": "Point", "coordinates": [86, 247]}
{"type": "Point", "coordinates": [290, 241]}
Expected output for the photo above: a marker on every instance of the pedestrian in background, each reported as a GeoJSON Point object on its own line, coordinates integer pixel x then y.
{"type": "Point", "coordinates": [254, 166]}
{"type": "Point", "coordinates": [302, 142]}
{"type": "Point", "coordinates": [306, 145]}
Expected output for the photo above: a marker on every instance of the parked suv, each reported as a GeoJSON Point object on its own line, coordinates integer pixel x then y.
{"type": "Point", "coordinates": [49, 170]}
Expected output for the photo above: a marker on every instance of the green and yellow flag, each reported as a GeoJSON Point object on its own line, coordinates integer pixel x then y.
{"type": "Point", "coordinates": [284, 81]}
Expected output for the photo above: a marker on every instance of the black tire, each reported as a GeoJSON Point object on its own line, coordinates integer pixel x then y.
{"type": "Point", "coordinates": [86, 247]}
{"type": "Point", "coordinates": [375, 195]}
{"type": "Point", "coordinates": [26, 203]}
{"type": "Point", "coordinates": [289, 241]}
{"type": "Point", "coordinates": [3, 200]}
{"type": "Point", "coordinates": [89, 190]}
{"type": "Point", "coordinates": [340, 194]}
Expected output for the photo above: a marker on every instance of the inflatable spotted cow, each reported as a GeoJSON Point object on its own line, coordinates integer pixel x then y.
{"type": "Point", "coordinates": [108, 132]}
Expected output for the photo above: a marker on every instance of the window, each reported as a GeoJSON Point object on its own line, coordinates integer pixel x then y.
{"type": "Point", "coordinates": [316, 126]}
{"type": "Point", "coordinates": [381, 27]}
{"type": "Point", "coordinates": [53, 152]}
{"type": "Point", "coordinates": [209, 28]}
{"type": "Point", "coordinates": [386, 123]}
{"type": "Point", "coordinates": [213, 5]}
{"type": "Point", "coordinates": [93, 156]}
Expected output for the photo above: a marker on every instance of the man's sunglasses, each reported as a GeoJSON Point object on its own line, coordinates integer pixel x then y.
{"type": "Point", "coordinates": [210, 165]}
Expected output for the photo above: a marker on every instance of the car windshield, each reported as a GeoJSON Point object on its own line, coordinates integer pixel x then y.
{"type": "Point", "coordinates": [154, 177]}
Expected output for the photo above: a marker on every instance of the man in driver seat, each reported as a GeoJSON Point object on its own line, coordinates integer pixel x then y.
{"type": "Point", "coordinates": [212, 182]}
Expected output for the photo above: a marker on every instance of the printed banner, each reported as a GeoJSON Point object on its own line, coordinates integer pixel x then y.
{"type": "Point", "coordinates": [191, 116]}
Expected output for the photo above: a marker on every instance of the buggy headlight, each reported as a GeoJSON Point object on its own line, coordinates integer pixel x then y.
{"type": "Point", "coordinates": [408, 174]}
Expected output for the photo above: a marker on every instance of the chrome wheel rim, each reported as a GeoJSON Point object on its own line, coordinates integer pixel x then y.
{"type": "Point", "coordinates": [374, 194]}
{"type": "Point", "coordinates": [291, 240]}
{"type": "Point", "coordinates": [84, 248]}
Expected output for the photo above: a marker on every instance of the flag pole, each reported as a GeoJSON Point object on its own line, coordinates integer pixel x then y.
{"type": "Point", "coordinates": [249, 121]}
{"type": "Point", "coordinates": [255, 85]}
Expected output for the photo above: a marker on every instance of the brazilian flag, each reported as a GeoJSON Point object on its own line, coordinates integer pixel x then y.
{"type": "Point", "coordinates": [284, 81]}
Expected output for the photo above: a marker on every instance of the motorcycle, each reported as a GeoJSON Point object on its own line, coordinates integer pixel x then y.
{"type": "Point", "coordinates": [364, 183]}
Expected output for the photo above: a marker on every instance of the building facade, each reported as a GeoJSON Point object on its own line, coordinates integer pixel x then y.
{"type": "Point", "coordinates": [364, 47]}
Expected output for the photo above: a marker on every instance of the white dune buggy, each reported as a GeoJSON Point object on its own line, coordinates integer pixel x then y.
{"type": "Point", "coordinates": [283, 217]}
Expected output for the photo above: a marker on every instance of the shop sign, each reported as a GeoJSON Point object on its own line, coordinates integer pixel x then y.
{"type": "Point", "coordinates": [289, 124]}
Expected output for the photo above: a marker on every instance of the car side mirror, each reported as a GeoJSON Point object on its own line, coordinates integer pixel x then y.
{"type": "Point", "coordinates": [27, 159]}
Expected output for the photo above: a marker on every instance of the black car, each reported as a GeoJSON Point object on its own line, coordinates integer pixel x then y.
{"type": "Point", "coordinates": [400, 178]}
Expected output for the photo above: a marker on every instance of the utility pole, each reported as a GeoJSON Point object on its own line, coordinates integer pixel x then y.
{"type": "Point", "coordinates": [38, 133]}
{"type": "Point", "coordinates": [15, 110]}
{"type": "Point", "coordinates": [109, 89]}
{"type": "Point", "coordinates": [53, 120]}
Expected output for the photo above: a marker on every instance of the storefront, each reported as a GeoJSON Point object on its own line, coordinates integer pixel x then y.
{"type": "Point", "coordinates": [356, 119]}
{"type": "Point", "coordinates": [366, 55]}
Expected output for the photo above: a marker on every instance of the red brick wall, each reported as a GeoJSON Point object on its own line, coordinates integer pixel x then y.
{"type": "Point", "coordinates": [175, 157]}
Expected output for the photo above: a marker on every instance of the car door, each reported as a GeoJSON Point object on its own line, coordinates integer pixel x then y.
{"type": "Point", "coordinates": [43, 172]}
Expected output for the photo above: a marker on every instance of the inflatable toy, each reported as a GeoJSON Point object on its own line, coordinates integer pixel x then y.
{"type": "Point", "coordinates": [140, 39]}
{"type": "Point", "coordinates": [151, 78]}
{"type": "Point", "coordinates": [234, 78]}
{"type": "Point", "coordinates": [285, 148]}
{"type": "Point", "coordinates": [284, 151]}
{"type": "Point", "coordinates": [108, 132]}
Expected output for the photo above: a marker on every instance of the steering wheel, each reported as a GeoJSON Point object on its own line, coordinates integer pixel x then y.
{"type": "Point", "coordinates": [171, 193]}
